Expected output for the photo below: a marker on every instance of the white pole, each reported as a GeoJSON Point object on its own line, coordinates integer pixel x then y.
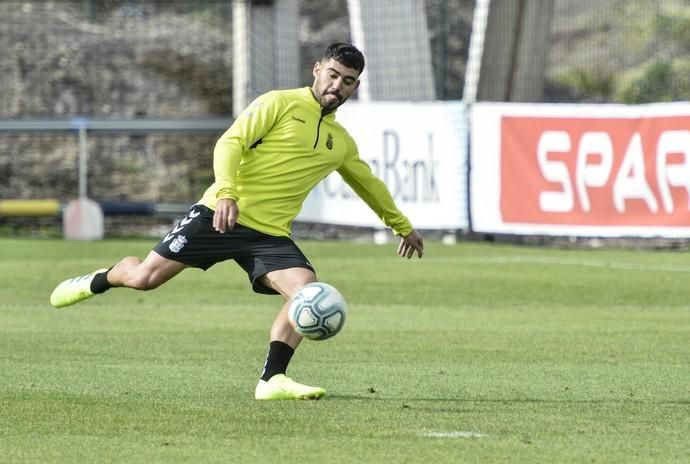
{"type": "Point", "coordinates": [358, 39]}
{"type": "Point", "coordinates": [241, 10]}
{"type": "Point", "coordinates": [474, 60]}
{"type": "Point", "coordinates": [469, 94]}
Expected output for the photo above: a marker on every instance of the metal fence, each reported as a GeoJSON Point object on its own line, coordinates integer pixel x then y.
{"type": "Point", "coordinates": [138, 62]}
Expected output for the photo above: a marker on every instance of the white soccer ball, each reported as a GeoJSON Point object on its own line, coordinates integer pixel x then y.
{"type": "Point", "coordinates": [318, 311]}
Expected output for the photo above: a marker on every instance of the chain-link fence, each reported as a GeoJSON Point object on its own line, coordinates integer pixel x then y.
{"type": "Point", "coordinates": [622, 51]}
{"type": "Point", "coordinates": [152, 58]}
{"type": "Point", "coordinates": [173, 59]}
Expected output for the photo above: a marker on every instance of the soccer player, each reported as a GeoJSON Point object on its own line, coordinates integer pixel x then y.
{"type": "Point", "coordinates": [280, 147]}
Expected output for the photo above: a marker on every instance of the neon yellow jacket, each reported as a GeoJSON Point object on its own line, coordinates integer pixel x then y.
{"type": "Point", "coordinates": [278, 150]}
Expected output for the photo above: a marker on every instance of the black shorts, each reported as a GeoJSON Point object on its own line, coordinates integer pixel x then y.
{"type": "Point", "coordinates": [194, 241]}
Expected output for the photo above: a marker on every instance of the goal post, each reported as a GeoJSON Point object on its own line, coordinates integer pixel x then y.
{"type": "Point", "coordinates": [265, 48]}
{"type": "Point", "coordinates": [395, 41]}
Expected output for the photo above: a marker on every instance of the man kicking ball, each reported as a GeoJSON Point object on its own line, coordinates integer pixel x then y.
{"type": "Point", "coordinates": [280, 147]}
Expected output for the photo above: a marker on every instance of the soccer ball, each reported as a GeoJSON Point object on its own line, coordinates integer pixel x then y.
{"type": "Point", "coordinates": [317, 311]}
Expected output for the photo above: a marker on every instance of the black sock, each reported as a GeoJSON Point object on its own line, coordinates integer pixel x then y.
{"type": "Point", "coordinates": [279, 355]}
{"type": "Point", "coordinates": [100, 283]}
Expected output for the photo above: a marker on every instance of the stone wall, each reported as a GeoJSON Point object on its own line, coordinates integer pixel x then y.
{"type": "Point", "coordinates": [121, 62]}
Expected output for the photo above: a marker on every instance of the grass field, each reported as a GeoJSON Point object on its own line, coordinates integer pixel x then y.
{"type": "Point", "coordinates": [477, 353]}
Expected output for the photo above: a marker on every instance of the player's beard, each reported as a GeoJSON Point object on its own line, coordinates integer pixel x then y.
{"type": "Point", "coordinates": [329, 104]}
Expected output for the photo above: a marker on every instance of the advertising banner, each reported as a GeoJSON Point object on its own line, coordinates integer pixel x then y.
{"type": "Point", "coordinates": [417, 149]}
{"type": "Point", "coordinates": [587, 170]}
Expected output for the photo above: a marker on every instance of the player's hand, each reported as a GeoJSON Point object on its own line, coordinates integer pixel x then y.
{"type": "Point", "coordinates": [411, 243]}
{"type": "Point", "coordinates": [226, 215]}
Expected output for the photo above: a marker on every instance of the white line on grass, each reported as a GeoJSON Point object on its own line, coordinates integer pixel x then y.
{"type": "Point", "coordinates": [580, 262]}
{"type": "Point", "coordinates": [454, 434]}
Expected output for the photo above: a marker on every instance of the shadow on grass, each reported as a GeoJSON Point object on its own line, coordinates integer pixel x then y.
{"type": "Point", "coordinates": [409, 399]}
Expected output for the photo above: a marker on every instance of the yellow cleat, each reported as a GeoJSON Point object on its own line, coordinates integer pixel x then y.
{"type": "Point", "coordinates": [280, 387]}
{"type": "Point", "coordinates": [74, 290]}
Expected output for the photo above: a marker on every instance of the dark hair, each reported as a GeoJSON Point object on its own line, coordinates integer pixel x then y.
{"type": "Point", "coordinates": [346, 54]}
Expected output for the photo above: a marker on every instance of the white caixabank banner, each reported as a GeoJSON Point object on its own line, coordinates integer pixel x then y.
{"type": "Point", "coordinates": [581, 170]}
{"type": "Point", "coordinates": [417, 149]}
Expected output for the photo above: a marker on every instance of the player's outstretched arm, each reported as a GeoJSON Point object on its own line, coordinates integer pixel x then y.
{"type": "Point", "coordinates": [411, 243]}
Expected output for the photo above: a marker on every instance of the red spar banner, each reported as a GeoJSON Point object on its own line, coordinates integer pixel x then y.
{"type": "Point", "coordinates": [595, 171]}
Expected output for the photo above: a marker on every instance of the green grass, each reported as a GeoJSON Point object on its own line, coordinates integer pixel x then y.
{"type": "Point", "coordinates": [476, 353]}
